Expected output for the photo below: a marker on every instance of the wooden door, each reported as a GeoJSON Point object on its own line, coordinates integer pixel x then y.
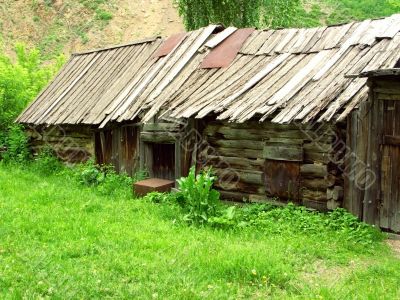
{"type": "Point", "coordinates": [282, 170]}
{"type": "Point", "coordinates": [163, 161]}
{"type": "Point", "coordinates": [129, 160]}
{"type": "Point", "coordinates": [390, 167]}
{"type": "Point", "coordinates": [282, 179]}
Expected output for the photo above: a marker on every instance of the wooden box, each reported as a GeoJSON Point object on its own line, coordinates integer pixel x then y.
{"type": "Point", "coordinates": [142, 188]}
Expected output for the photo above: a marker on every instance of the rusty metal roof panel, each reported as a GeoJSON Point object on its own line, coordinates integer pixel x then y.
{"type": "Point", "coordinates": [223, 55]}
{"type": "Point", "coordinates": [169, 44]}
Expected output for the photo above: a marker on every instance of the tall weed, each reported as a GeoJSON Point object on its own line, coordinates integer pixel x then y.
{"type": "Point", "coordinates": [197, 197]}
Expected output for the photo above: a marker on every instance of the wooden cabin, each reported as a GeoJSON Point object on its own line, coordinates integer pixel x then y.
{"type": "Point", "coordinates": [281, 114]}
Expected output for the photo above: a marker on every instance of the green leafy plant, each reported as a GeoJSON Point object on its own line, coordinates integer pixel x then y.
{"type": "Point", "coordinates": [114, 184]}
{"type": "Point", "coordinates": [140, 175]}
{"type": "Point", "coordinates": [90, 174]}
{"type": "Point", "coordinates": [161, 198]}
{"type": "Point", "coordinates": [197, 197]}
{"type": "Point", "coordinates": [47, 162]}
{"type": "Point", "coordinates": [105, 180]}
{"type": "Point", "coordinates": [291, 219]}
{"type": "Point", "coordinates": [16, 144]}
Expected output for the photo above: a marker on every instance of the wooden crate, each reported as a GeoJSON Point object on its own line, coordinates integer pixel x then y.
{"type": "Point", "coordinates": [143, 187]}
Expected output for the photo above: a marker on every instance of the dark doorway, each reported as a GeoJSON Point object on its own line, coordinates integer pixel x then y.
{"type": "Point", "coordinates": [103, 147]}
{"type": "Point", "coordinates": [163, 161]}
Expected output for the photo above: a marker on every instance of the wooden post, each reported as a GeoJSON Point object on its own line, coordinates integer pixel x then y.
{"type": "Point", "coordinates": [178, 159]}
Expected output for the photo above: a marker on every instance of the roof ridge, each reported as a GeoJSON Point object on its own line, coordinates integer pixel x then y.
{"type": "Point", "coordinates": [147, 40]}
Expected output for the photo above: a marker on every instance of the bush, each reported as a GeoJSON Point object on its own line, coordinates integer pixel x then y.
{"type": "Point", "coordinates": [47, 162]}
{"type": "Point", "coordinates": [161, 198]}
{"type": "Point", "coordinates": [197, 197]}
{"type": "Point", "coordinates": [140, 175]}
{"type": "Point", "coordinates": [16, 144]}
{"type": "Point", "coordinates": [115, 184]}
{"type": "Point", "coordinates": [105, 179]}
{"type": "Point", "coordinates": [200, 204]}
{"type": "Point", "coordinates": [90, 174]}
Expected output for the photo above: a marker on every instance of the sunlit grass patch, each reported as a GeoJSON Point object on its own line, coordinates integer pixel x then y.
{"type": "Point", "coordinates": [62, 239]}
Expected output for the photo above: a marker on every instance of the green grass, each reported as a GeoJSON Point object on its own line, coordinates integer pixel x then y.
{"type": "Point", "coordinates": [317, 12]}
{"type": "Point", "coordinates": [59, 239]}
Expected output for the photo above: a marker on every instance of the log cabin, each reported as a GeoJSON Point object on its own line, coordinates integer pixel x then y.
{"type": "Point", "coordinates": [306, 115]}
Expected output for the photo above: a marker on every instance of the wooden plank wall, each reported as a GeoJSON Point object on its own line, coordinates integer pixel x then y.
{"type": "Point", "coordinates": [386, 146]}
{"type": "Point", "coordinates": [370, 190]}
{"type": "Point", "coordinates": [118, 146]}
{"type": "Point", "coordinates": [356, 159]}
{"type": "Point", "coordinates": [72, 144]}
{"type": "Point", "coordinates": [236, 152]}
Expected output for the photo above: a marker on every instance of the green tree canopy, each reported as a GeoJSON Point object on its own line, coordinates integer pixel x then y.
{"type": "Point", "coordinates": [239, 13]}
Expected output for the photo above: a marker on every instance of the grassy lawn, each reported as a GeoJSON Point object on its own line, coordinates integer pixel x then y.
{"type": "Point", "coordinates": [59, 239]}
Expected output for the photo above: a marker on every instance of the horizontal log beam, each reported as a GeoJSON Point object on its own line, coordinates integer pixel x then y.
{"type": "Point", "coordinates": [159, 137]}
{"type": "Point", "coordinates": [233, 162]}
{"type": "Point", "coordinates": [161, 127]}
{"type": "Point", "coordinates": [314, 170]}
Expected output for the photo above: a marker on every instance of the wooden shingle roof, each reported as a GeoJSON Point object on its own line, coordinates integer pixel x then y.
{"type": "Point", "coordinates": [287, 75]}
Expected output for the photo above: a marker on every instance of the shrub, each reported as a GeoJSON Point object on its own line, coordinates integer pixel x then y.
{"type": "Point", "coordinates": [47, 162]}
{"type": "Point", "coordinates": [162, 198]}
{"type": "Point", "coordinates": [16, 144]}
{"type": "Point", "coordinates": [140, 175]}
{"type": "Point", "coordinates": [197, 197]}
{"type": "Point", "coordinates": [350, 227]}
{"type": "Point", "coordinates": [105, 179]}
{"type": "Point", "coordinates": [115, 184]}
{"type": "Point", "coordinates": [90, 174]}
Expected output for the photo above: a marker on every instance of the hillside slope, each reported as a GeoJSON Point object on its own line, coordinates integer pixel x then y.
{"type": "Point", "coordinates": [56, 26]}
{"type": "Point", "coordinates": [67, 26]}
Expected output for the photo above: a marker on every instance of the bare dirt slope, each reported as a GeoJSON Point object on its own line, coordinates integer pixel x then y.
{"type": "Point", "coordinates": [67, 26]}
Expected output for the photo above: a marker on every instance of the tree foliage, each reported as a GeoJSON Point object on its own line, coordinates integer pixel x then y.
{"type": "Point", "coordinates": [239, 13]}
{"type": "Point", "coordinates": [21, 79]}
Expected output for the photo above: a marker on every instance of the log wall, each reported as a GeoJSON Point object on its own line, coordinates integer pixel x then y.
{"type": "Point", "coordinates": [256, 161]}
{"type": "Point", "coordinates": [71, 144]}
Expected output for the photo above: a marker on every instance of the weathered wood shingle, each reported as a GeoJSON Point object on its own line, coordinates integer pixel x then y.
{"type": "Point", "coordinates": [287, 75]}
